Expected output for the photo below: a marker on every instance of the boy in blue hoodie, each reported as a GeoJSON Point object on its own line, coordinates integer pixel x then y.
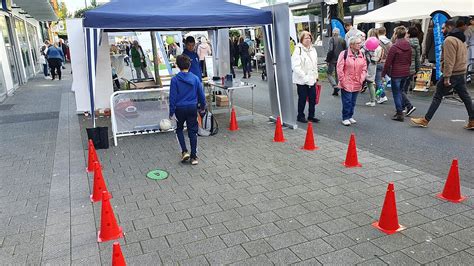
{"type": "Point", "coordinates": [195, 67]}
{"type": "Point", "coordinates": [186, 92]}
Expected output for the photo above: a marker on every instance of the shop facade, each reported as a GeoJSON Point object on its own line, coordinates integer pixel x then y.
{"type": "Point", "coordinates": [21, 36]}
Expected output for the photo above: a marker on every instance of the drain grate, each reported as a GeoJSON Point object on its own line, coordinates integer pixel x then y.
{"type": "Point", "coordinates": [5, 107]}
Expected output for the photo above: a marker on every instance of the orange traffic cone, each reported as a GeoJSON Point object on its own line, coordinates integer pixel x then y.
{"type": "Point", "coordinates": [92, 157]}
{"type": "Point", "coordinates": [99, 183]}
{"type": "Point", "coordinates": [278, 132]}
{"type": "Point", "coordinates": [351, 156]}
{"type": "Point", "coordinates": [109, 229]}
{"type": "Point", "coordinates": [452, 188]}
{"type": "Point", "coordinates": [309, 141]}
{"type": "Point", "coordinates": [117, 256]}
{"type": "Point", "coordinates": [233, 126]}
{"type": "Point", "coordinates": [388, 222]}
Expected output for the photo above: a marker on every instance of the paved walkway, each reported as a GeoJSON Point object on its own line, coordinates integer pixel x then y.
{"type": "Point", "coordinates": [250, 201]}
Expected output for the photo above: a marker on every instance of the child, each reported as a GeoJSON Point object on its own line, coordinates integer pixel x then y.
{"type": "Point", "coordinates": [186, 92]}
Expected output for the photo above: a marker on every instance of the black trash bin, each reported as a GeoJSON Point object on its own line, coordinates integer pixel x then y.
{"type": "Point", "coordinates": [99, 136]}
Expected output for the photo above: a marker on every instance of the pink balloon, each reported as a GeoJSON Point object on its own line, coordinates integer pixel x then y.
{"type": "Point", "coordinates": [372, 43]}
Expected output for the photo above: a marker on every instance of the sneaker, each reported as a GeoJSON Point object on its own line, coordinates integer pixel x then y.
{"type": "Point", "coordinates": [194, 161]}
{"type": "Point", "coordinates": [420, 121]}
{"type": "Point", "coordinates": [382, 100]}
{"type": "Point", "coordinates": [398, 117]}
{"type": "Point", "coordinates": [313, 119]}
{"type": "Point", "coordinates": [469, 125]}
{"type": "Point", "coordinates": [184, 156]}
{"type": "Point", "coordinates": [410, 110]}
{"type": "Point", "coordinates": [346, 122]}
{"type": "Point", "coordinates": [46, 77]}
{"type": "Point", "coordinates": [372, 104]}
{"type": "Point", "coordinates": [352, 120]}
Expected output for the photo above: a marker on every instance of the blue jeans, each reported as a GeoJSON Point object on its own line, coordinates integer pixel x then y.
{"type": "Point", "coordinates": [45, 70]}
{"type": "Point", "coordinates": [378, 79]}
{"type": "Point", "coordinates": [349, 100]}
{"type": "Point", "coordinates": [398, 86]}
{"type": "Point", "coordinates": [188, 115]}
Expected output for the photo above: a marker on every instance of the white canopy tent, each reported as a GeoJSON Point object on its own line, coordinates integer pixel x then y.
{"type": "Point", "coordinates": [404, 10]}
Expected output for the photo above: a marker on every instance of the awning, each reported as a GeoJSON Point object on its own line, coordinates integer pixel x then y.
{"type": "Point", "coordinates": [40, 10]}
{"type": "Point", "coordinates": [405, 10]}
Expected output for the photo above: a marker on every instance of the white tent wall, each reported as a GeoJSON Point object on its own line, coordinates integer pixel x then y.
{"type": "Point", "coordinates": [404, 10]}
{"type": "Point", "coordinates": [77, 50]}
{"type": "Point", "coordinates": [223, 52]}
{"type": "Point", "coordinates": [103, 82]}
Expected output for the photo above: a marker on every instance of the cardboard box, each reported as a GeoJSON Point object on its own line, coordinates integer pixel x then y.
{"type": "Point", "coordinates": [222, 98]}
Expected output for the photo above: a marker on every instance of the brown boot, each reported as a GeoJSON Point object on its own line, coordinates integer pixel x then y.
{"type": "Point", "coordinates": [470, 125]}
{"type": "Point", "coordinates": [398, 117]}
{"type": "Point", "coordinates": [420, 121]}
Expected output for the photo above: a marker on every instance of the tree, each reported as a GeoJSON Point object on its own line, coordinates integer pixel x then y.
{"type": "Point", "coordinates": [80, 13]}
{"type": "Point", "coordinates": [62, 11]}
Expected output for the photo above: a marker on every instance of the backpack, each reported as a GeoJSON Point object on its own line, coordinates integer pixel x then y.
{"type": "Point", "coordinates": [385, 48]}
{"type": "Point", "coordinates": [251, 50]}
{"type": "Point", "coordinates": [207, 125]}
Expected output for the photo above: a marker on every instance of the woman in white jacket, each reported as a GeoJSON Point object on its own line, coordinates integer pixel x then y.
{"type": "Point", "coordinates": [304, 62]}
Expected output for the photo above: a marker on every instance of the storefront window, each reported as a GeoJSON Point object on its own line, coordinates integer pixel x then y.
{"type": "Point", "coordinates": [24, 47]}
{"type": "Point", "coordinates": [33, 37]}
{"type": "Point", "coordinates": [9, 46]}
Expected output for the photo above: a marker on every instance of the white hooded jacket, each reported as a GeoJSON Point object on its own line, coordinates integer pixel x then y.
{"type": "Point", "coordinates": [304, 63]}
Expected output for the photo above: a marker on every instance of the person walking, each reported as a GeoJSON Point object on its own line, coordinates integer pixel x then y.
{"type": "Point", "coordinates": [203, 50]}
{"type": "Point", "coordinates": [43, 58]}
{"type": "Point", "coordinates": [336, 46]}
{"type": "Point", "coordinates": [244, 57]}
{"type": "Point", "coordinates": [352, 71]}
{"type": "Point", "coordinates": [63, 46]}
{"type": "Point", "coordinates": [138, 60]}
{"type": "Point", "coordinates": [385, 44]}
{"type": "Point", "coordinates": [397, 67]}
{"type": "Point", "coordinates": [454, 64]}
{"type": "Point", "coordinates": [235, 43]}
{"type": "Point", "coordinates": [186, 96]}
{"type": "Point", "coordinates": [195, 68]}
{"type": "Point", "coordinates": [351, 31]}
{"type": "Point", "coordinates": [55, 58]}
{"type": "Point", "coordinates": [372, 60]}
{"type": "Point", "coordinates": [414, 67]}
{"type": "Point", "coordinates": [304, 62]}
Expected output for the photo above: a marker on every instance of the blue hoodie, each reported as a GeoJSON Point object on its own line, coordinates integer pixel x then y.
{"type": "Point", "coordinates": [186, 91]}
{"type": "Point", "coordinates": [54, 52]}
{"type": "Point", "coordinates": [195, 65]}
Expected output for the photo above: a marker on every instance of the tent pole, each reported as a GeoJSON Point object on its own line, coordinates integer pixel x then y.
{"type": "Point", "coordinates": [156, 61]}
{"type": "Point", "coordinates": [276, 74]}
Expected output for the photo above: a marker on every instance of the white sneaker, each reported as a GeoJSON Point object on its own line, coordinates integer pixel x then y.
{"type": "Point", "coordinates": [382, 100]}
{"type": "Point", "coordinates": [370, 104]}
{"type": "Point", "coordinates": [346, 122]}
{"type": "Point", "coordinates": [47, 77]}
{"type": "Point", "coordinates": [352, 120]}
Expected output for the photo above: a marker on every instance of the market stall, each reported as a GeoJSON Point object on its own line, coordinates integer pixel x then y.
{"type": "Point", "coordinates": [160, 15]}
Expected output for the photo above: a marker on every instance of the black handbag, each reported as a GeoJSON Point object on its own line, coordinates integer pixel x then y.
{"type": "Point", "coordinates": [99, 136]}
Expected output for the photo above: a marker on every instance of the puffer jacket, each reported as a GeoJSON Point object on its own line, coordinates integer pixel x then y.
{"type": "Point", "coordinates": [415, 55]}
{"type": "Point", "coordinates": [304, 62]}
{"type": "Point", "coordinates": [351, 71]}
{"type": "Point", "coordinates": [203, 50]}
{"type": "Point", "coordinates": [398, 60]}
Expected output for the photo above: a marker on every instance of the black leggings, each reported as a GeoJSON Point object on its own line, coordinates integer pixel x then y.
{"type": "Point", "coordinates": [55, 66]}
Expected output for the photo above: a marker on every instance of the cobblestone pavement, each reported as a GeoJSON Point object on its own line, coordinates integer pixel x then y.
{"type": "Point", "coordinates": [249, 201]}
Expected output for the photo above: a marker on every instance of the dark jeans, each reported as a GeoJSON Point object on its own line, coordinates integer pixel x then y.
{"type": "Point", "coordinates": [399, 96]}
{"type": "Point", "coordinates": [55, 67]}
{"type": "Point", "coordinates": [378, 79]}
{"type": "Point", "coordinates": [349, 100]}
{"type": "Point", "coordinates": [188, 115]}
{"type": "Point", "coordinates": [458, 83]}
{"type": "Point", "coordinates": [45, 70]}
{"type": "Point", "coordinates": [306, 92]}
{"type": "Point", "coordinates": [406, 86]}
{"type": "Point", "coordinates": [245, 65]}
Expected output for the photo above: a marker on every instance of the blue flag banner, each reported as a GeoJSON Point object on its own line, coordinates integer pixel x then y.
{"type": "Point", "coordinates": [439, 18]}
{"type": "Point", "coordinates": [336, 23]}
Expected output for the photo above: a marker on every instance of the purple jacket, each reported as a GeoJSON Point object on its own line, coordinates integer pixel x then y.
{"type": "Point", "coordinates": [398, 60]}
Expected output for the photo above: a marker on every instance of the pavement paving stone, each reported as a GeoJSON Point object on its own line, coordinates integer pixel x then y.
{"type": "Point", "coordinates": [185, 237]}
{"type": "Point", "coordinates": [461, 258]}
{"type": "Point", "coordinates": [234, 238]}
{"type": "Point", "coordinates": [154, 244]}
{"type": "Point", "coordinates": [167, 229]}
{"type": "Point", "coordinates": [339, 225]}
{"type": "Point", "coordinates": [283, 257]}
{"type": "Point", "coordinates": [286, 239]}
{"type": "Point", "coordinates": [227, 256]}
{"type": "Point", "coordinates": [195, 261]}
{"type": "Point", "coordinates": [425, 252]}
{"type": "Point", "coordinates": [173, 254]}
{"type": "Point", "coordinates": [214, 230]}
{"type": "Point", "coordinates": [204, 246]}
{"type": "Point", "coordinates": [465, 235]}
{"type": "Point", "coordinates": [257, 247]}
{"type": "Point", "coordinates": [288, 224]}
{"type": "Point", "coordinates": [367, 250]}
{"type": "Point", "coordinates": [340, 257]}
{"type": "Point", "coordinates": [440, 227]}
{"type": "Point", "coordinates": [311, 249]}
{"type": "Point", "coordinates": [262, 231]}
{"type": "Point", "coordinates": [241, 223]}
{"type": "Point", "coordinates": [392, 243]}
{"type": "Point", "coordinates": [247, 210]}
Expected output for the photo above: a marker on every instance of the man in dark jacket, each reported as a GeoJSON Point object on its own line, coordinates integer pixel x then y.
{"type": "Point", "coordinates": [195, 68]}
{"type": "Point", "coordinates": [186, 92]}
{"type": "Point", "coordinates": [397, 67]}
{"type": "Point", "coordinates": [336, 46]}
{"type": "Point", "coordinates": [454, 64]}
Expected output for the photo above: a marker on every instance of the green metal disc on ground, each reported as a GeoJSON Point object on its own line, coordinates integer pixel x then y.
{"type": "Point", "coordinates": [157, 174]}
